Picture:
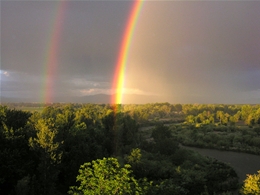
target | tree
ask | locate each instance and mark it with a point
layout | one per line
(16, 159)
(161, 132)
(134, 157)
(200, 118)
(44, 144)
(251, 184)
(245, 111)
(105, 177)
(178, 107)
(190, 119)
(222, 117)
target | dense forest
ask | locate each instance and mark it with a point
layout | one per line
(108, 149)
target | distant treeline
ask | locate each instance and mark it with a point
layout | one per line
(248, 114)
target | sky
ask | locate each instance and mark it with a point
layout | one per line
(180, 51)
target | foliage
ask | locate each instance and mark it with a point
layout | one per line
(41, 152)
(15, 156)
(161, 132)
(234, 138)
(105, 177)
(134, 157)
(251, 184)
(46, 147)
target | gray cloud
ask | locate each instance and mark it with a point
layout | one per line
(181, 51)
(205, 48)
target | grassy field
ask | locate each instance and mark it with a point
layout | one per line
(30, 109)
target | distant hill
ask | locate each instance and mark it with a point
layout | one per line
(95, 99)
(15, 100)
(100, 98)
(127, 99)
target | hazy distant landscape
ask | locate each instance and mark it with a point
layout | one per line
(95, 99)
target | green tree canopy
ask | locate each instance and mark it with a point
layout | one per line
(105, 177)
(251, 184)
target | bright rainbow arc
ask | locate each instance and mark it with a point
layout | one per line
(52, 51)
(119, 76)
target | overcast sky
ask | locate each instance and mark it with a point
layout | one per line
(181, 51)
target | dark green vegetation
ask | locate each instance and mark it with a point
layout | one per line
(41, 151)
(233, 128)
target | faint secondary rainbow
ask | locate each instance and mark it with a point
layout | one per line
(119, 75)
(52, 51)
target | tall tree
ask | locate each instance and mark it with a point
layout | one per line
(45, 145)
(15, 156)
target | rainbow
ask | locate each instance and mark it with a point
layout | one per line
(52, 51)
(119, 75)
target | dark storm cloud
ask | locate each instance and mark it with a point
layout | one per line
(20, 85)
(92, 36)
(90, 39)
(24, 28)
(181, 51)
(208, 49)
